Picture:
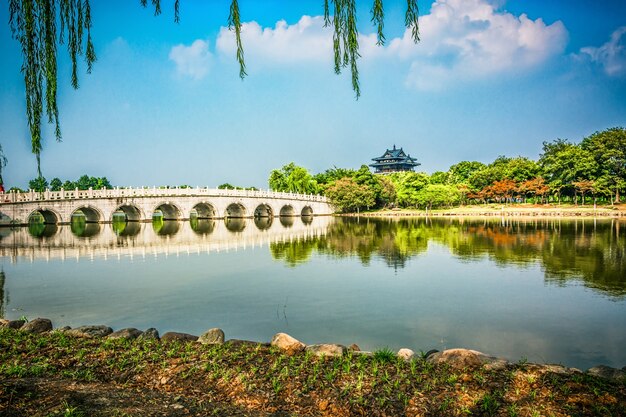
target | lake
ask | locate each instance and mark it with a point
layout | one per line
(544, 289)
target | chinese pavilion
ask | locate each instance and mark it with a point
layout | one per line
(394, 160)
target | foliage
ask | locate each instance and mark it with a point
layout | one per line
(347, 195)
(34, 25)
(608, 149)
(85, 182)
(227, 186)
(38, 184)
(294, 179)
(437, 195)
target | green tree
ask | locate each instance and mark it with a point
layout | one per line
(294, 179)
(608, 149)
(38, 184)
(563, 163)
(55, 184)
(461, 172)
(348, 196)
(408, 184)
(439, 177)
(438, 195)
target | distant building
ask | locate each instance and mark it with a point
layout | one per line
(393, 160)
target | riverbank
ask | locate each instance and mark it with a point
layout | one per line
(515, 210)
(90, 371)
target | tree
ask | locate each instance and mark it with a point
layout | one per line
(608, 149)
(408, 184)
(294, 179)
(34, 25)
(563, 162)
(437, 195)
(348, 196)
(461, 172)
(38, 184)
(55, 184)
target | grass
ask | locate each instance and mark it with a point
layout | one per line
(268, 381)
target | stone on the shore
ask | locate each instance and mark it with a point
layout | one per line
(354, 348)
(128, 333)
(38, 325)
(90, 331)
(12, 324)
(430, 352)
(406, 354)
(288, 344)
(212, 337)
(180, 337)
(465, 358)
(149, 334)
(607, 372)
(327, 349)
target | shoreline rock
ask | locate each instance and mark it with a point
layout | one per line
(457, 358)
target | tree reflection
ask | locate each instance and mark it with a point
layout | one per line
(586, 249)
(2, 279)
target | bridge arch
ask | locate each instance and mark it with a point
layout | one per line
(92, 214)
(204, 210)
(287, 211)
(131, 212)
(170, 211)
(306, 211)
(263, 210)
(50, 216)
(235, 210)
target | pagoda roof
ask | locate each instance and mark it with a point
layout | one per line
(395, 154)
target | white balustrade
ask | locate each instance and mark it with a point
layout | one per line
(117, 192)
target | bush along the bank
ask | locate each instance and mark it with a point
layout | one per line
(189, 373)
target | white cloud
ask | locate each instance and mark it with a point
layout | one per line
(305, 41)
(461, 39)
(193, 60)
(469, 39)
(611, 55)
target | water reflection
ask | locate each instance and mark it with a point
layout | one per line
(593, 250)
(165, 227)
(235, 224)
(287, 221)
(202, 226)
(121, 227)
(263, 223)
(81, 228)
(2, 280)
(42, 230)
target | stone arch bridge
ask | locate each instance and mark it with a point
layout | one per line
(140, 204)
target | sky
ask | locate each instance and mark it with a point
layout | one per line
(164, 104)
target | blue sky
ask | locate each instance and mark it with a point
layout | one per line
(164, 104)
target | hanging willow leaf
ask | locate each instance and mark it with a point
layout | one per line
(234, 21)
(34, 25)
(411, 19)
(378, 17)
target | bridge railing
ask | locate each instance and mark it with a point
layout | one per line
(117, 192)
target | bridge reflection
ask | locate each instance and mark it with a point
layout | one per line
(161, 237)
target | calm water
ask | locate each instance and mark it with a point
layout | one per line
(549, 290)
